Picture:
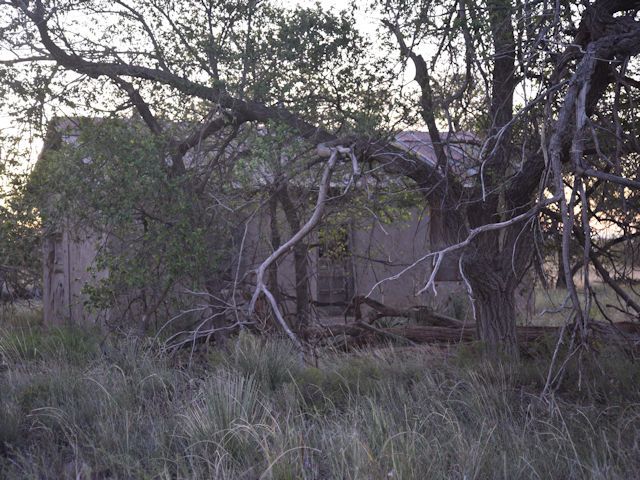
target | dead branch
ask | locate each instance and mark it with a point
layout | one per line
(472, 234)
(419, 313)
(388, 333)
(288, 245)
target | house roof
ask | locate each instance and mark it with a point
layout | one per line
(461, 148)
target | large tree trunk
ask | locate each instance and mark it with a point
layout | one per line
(496, 320)
(494, 303)
(494, 269)
(495, 265)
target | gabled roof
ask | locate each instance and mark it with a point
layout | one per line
(461, 148)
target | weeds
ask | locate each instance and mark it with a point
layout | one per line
(73, 408)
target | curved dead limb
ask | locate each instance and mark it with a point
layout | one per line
(288, 245)
(282, 322)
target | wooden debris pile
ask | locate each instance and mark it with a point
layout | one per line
(430, 327)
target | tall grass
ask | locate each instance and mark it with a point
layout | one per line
(72, 406)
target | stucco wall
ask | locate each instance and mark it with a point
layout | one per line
(377, 251)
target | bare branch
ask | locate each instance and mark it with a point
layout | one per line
(140, 105)
(37, 58)
(288, 245)
(608, 177)
(472, 234)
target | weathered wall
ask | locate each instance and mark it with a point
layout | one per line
(67, 258)
(377, 251)
(382, 251)
(55, 285)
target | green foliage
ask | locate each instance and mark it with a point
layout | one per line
(20, 259)
(113, 189)
(334, 240)
(310, 60)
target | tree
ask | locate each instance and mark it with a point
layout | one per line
(552, 105)
(272, 32)
(20, 266)
(515, 48)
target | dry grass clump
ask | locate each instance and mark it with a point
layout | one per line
(72, 407)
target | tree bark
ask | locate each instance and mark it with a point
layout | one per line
(494, 260)
(561, 281)
(496, 315)
(303, 300)
(272, 279)
(493, 282)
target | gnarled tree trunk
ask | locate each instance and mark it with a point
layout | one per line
(494, 303)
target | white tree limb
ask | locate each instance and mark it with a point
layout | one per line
(287, 246)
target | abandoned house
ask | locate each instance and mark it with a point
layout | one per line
(346, 256)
